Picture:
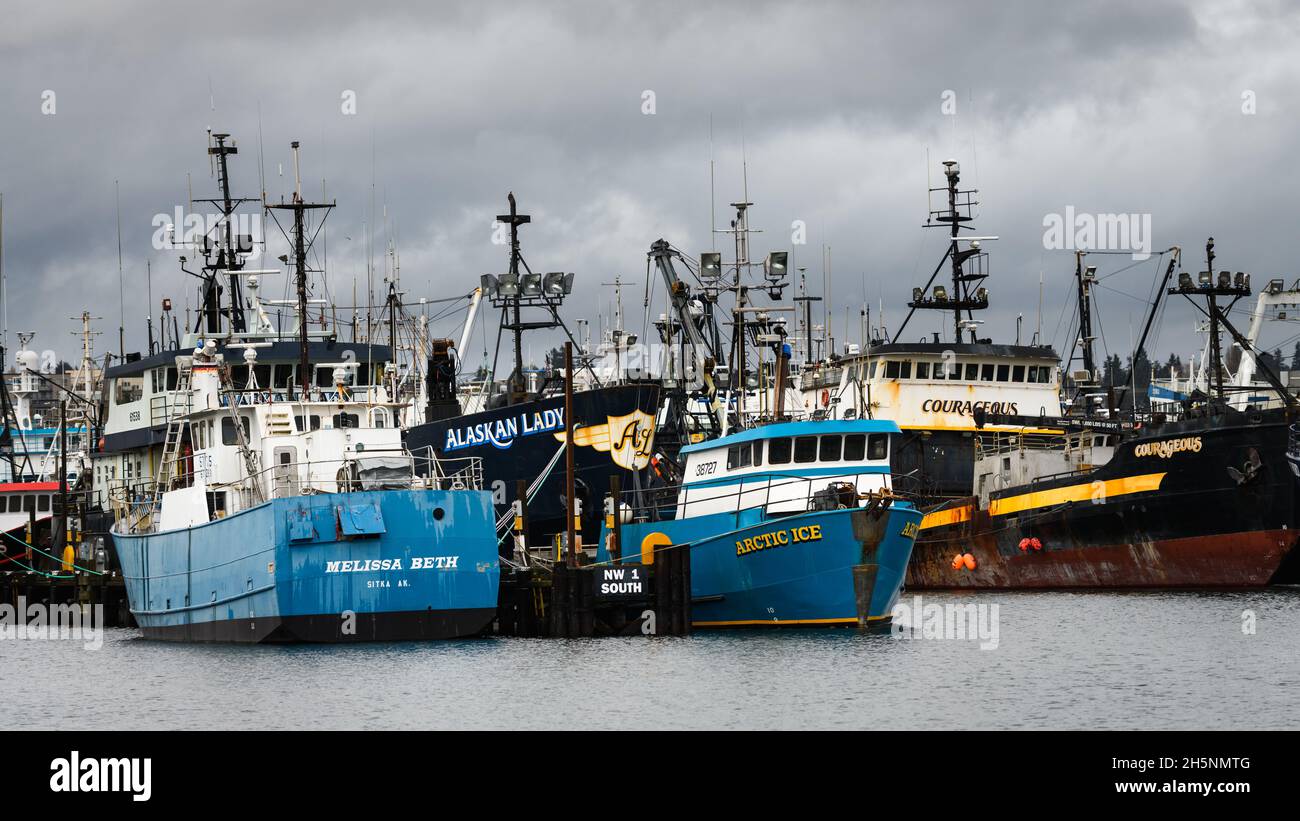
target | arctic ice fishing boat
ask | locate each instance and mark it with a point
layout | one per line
(789, 524)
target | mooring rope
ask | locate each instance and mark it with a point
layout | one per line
(52, 556)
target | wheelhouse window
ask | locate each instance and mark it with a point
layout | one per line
(29, 503)
(805, 449)
(301, 422)
(1018, 373)
(922, 370)
(1044, 374)
(891, 369)
(347, 420)
(905, 370)
(262, 373)
(986, 372)
(42, 503)
(972, 372)
(127, 389)
(1004, 373)
(738, 456)
(283, 376)
(830, 448)
(778, 451)
(937, 372)
(878, 446)
(872, 372)
(855, 447)
(758, 451)
(1033, 373)
(228, 434)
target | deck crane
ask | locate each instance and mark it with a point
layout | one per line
(704, 357)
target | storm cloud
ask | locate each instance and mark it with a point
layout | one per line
(1184, 112)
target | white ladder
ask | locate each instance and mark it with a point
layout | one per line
(178, 413)
(250, 459)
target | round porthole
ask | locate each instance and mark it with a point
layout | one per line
(438, 513)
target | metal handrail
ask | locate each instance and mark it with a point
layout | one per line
(648, 503)
(136, 499)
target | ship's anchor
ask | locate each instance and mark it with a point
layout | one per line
(1249, 470)
(877, 502)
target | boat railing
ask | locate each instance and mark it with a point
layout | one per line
(833, 493)
(1063, 474)
(449, 473)
(995, 442)
(169, 404)
(134, 504)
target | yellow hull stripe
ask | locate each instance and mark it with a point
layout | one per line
(787, 622)
(1076, 493)
(1048, 498)
(950, 516)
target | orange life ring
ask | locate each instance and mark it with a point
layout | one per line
(826, 398)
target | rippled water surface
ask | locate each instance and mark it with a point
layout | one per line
(1063, 660)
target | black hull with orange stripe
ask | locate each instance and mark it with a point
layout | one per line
(1221, 512)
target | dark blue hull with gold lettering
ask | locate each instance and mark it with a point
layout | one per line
(518, 442)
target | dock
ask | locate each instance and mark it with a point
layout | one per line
(28, 587)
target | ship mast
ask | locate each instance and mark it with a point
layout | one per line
(297, 237)
(969, 266)
(513, 291)
(226, 253)
(1224, 285)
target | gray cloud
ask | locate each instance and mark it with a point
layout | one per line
(1103, 106)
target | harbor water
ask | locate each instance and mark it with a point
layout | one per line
(1102, 660)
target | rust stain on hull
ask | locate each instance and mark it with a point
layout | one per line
(1223, 560)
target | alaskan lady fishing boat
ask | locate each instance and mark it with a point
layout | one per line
(789, 524)
(518, 431)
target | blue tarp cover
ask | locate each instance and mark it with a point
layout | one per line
(360, 520)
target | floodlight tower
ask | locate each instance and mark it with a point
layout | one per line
(512, 291)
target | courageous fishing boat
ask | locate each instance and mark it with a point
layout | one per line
(1206, 500)
(517, 428)
(287, 513)
(934, 386)
(788, 524)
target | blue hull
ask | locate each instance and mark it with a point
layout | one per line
(791, 570)
(386, 565)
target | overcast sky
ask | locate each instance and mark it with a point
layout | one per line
(1105, 107)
